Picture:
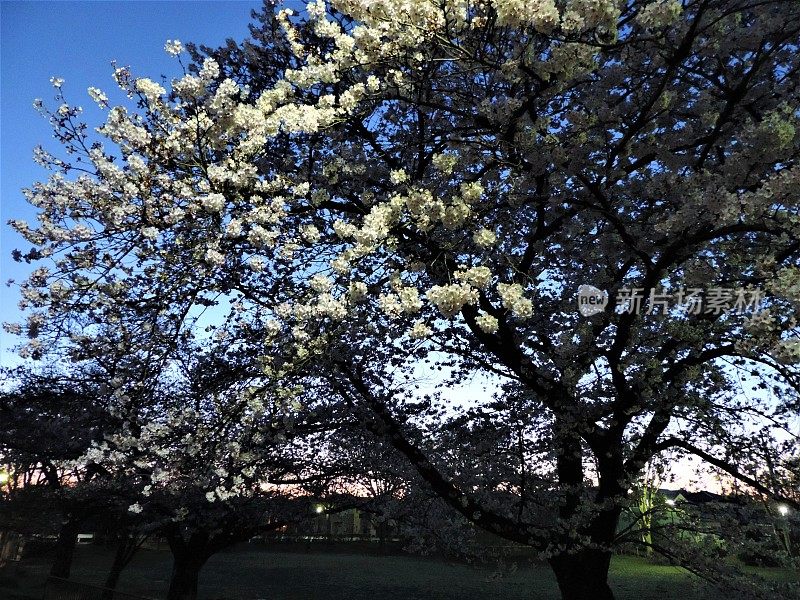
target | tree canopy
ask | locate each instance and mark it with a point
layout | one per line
(369, 190)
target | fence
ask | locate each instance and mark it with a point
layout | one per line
(57, 588)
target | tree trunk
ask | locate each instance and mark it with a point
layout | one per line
(65, 549)
(112, 580)
(583, 575)
(189, 556)
(5, 542)
(126, 549)
(185, 574)
(116, 570)
(381, 531)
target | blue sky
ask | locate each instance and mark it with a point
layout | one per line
(77, 41)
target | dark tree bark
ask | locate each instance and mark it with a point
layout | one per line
(583, 575)
(189, 556)
(126, 550)
(116, 568)
(65, 548)
(185, 575)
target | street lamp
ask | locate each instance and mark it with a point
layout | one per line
(783, 509)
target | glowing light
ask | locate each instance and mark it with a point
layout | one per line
(319, 508)
(4, 477)
(783, 509)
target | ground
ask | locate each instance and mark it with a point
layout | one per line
(252, 573)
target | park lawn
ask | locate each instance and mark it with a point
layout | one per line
(252, 573)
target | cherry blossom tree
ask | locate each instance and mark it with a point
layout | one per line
(48, 420)
(372, 188)
(216, 456)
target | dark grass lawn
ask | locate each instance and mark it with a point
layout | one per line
(250, 573)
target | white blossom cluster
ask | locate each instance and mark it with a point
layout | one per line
(245, 229)
(660, 13)
(513, 296)
(450, 299)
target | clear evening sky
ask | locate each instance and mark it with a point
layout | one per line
(77, 41)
